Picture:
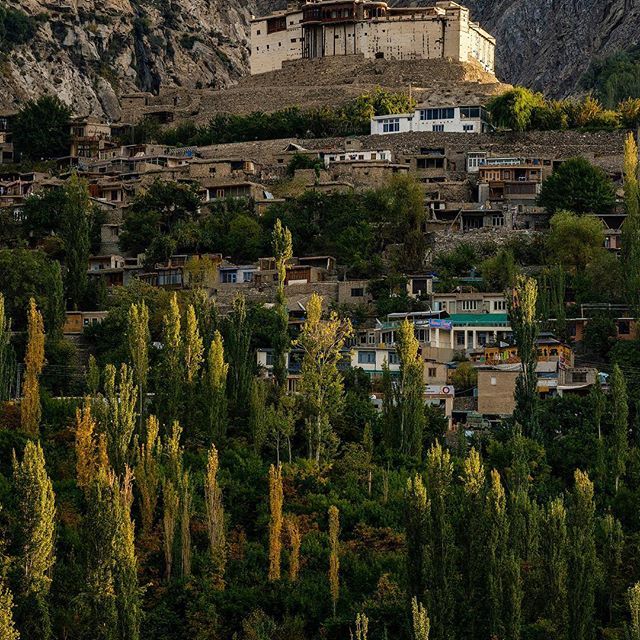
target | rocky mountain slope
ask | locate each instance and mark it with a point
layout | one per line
(90, 51)
(548, 44)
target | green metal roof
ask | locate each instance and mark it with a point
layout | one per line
(479, 319)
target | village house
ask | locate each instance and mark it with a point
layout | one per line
(446, 119)
(6, 141)
(373, 29)
(76, 322)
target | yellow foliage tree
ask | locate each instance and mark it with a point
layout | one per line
(91, 447)
(148, 473)
(30, 409)
(193, 346)
(293, 531)
(215, 516)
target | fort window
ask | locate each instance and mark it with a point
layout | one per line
(276, 24)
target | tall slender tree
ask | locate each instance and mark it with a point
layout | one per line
(497, 525)
(216, 388)
(334, 555)
(91, 448)
(582, 561)
(193, 346)
(241, 365)
(409, 402)
(275, 521)
(215, 517)
(128, 594)
(138, 337)
(633, 596)
(441, 585)
(611, 559)
(619, 439)
(147, 473)
(321, 384)
(630, 253)
(554, 566)
(121, 400)
(170, 504)
(283, 252)
(30, 409)
(417, 536)
(420, 624)
(76, 225)
(7, 354)
(170, 384)
(8, 629)
(522, 314)
(36, 532)
(295, 540)
(186, 500)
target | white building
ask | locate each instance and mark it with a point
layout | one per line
(323, 28)
(357, 156)
(472, 119)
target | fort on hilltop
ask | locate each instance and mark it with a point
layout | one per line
(325, 28)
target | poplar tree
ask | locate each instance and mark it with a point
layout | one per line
(496, 517)
(633, 596)
(334, 555)
(321, 384)
(121, 398)
(75, 234)
(90, 446)
(8, 629)
(93, 376)
(472, 542)
(410, 402)
(171, 381)
(128, 595)
(193, 347)
(417, 535)
(581, 558)
(216, 387)
(554, 556)
(170, 504)
(611, 557)
(98, 609)
(258, 414)
(275, 521)
(30, 409)
(420, 624)
(362, 627)
(215, 517)
(293, 531)
(147, 473)
(513, 596)
(239, 356)
(138, 339)
(186, 497)
(283, 252)
(619, 439)
(522, 315)
(441, 578)
(630, 252)
(7, 355)
(35, 537)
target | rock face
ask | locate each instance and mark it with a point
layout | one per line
(88, 52)
(548, 44)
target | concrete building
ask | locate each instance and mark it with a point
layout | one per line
(446, 119)
(371, 28)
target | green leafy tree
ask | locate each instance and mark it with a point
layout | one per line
(499, 271)
(216, 388)
(575, 241)
(619, 438)
(41, 129)
(417, 536)
(612, 546)
(239, 356)
(7, 355)
(522, 313)
(409, 400)
(36, 532)
(138, 337)
(8, 629)
(577, 186)
(497, 524)
(514, 109)
(170, 383)
(321, 384)
(581, 558)
(75, 234)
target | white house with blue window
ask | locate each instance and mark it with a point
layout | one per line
(471, 119)
(235, 274)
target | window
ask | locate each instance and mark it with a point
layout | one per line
(357, 292)
(391, 125)
(437, 114)
(467, 127)
(247, 276)
(228, 277)
(366, 357)
(470, 112)
(623, 327)
(258, 32)
(432, 372)
(439, 128)
(469, 305)
(460, 338)
(497, 220)
(579, 376)
(499, 305)
(494, 382)
(393, 357)
(269, 358)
